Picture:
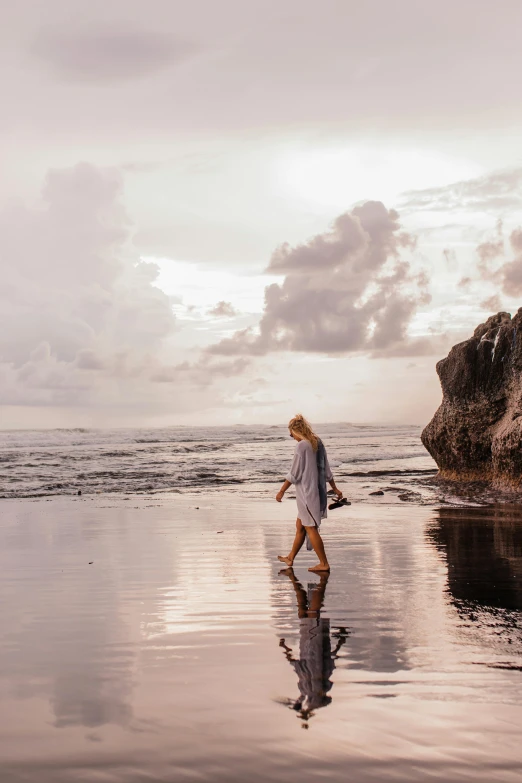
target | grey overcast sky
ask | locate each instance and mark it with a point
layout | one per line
(231, 211)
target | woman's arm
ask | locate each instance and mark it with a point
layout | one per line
(330, 478)
(295, 474)
(282, 491)
(288, 650)
(336, 489)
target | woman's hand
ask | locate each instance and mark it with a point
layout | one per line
(336, 489)
(286, 485)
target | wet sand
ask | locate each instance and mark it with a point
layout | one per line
(138, 643)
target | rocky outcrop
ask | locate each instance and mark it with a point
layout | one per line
(477, 431)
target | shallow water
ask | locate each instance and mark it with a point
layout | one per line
(138, 643)
(122, 461)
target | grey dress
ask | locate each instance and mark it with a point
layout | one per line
(316, 663)
(305, 476)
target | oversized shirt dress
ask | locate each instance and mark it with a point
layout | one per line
(305, 476)
(316, 663)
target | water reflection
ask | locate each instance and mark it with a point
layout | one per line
(159, 660)
(70, 628)
(483, 549)
(316, 658)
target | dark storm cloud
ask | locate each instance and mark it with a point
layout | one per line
(108, 52)
(345, 290)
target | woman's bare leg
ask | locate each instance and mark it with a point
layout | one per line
(304, 607)
(317, 595)
(317, 543)
(300, 592)
(299, 540)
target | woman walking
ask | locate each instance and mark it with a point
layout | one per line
(309, 472)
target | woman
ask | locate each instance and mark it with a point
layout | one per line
(309, 472)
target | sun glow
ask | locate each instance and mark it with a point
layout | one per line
(196, 288)
(333, 178)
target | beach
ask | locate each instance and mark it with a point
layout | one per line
(259, 259)
(146, 638)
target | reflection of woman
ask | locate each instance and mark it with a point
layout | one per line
(309, 472)
(316, 661)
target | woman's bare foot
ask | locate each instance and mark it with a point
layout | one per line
(289, 562)
(320, 567)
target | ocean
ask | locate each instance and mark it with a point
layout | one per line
(147, 635)
(245, 459)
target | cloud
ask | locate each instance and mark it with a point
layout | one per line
(512, 271)
(345, 290)
(493, 304)
(516, 240)
(81, 319)
(488, 251)
(71, 276)
(223, 310)
(499, 191)
(357, 73)
(494, 266)
(506, 274)
(86, 359)
(202, 372)
(108, 53)
(450, 257)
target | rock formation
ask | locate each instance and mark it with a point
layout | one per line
(477, 431)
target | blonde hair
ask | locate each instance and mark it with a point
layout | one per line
(302, 427)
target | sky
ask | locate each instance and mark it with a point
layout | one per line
(218, 213)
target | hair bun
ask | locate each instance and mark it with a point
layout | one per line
(298, 417)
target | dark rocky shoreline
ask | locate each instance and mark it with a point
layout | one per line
(476, 433)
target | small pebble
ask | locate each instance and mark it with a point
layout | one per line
(91, 562)
(219, 531)
(379, 492)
